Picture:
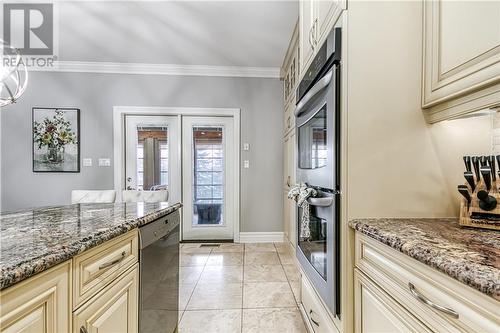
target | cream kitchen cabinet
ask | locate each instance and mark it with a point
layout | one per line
(41, 304)
(289, 206)
(461, 71)
(114, 309)
(396, 293)
(316, 19)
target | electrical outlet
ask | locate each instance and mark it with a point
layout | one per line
(246, 164)
(87, 162)
(104, 162)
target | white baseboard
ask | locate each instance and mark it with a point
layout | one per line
(262, 237)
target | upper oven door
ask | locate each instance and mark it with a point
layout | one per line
(315, 133)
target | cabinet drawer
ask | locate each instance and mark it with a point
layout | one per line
(314, 310)
(114, 309)
(375, 311)
(395, 272)
(94, 269)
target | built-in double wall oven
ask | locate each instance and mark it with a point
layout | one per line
(318, 166)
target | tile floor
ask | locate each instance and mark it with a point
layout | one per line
(240, 288)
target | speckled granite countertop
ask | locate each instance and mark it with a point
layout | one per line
(35, 240)
(471, 256)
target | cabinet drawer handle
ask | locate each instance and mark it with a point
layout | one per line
(83, 330)
(288, 181)
(310, 317)
(114, 262)
(433, 305)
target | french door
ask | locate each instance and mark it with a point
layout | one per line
(209, 196)
(195, 158)
(153, 154)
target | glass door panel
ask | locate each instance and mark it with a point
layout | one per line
(152, 153)
(208, 176)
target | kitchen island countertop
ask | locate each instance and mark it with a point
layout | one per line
(34, 240)
(472, 256)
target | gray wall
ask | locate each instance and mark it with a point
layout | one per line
(96, 94)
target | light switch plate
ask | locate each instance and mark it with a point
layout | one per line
(87, 162)
(246, 164)
(104, 162)
(246, 146)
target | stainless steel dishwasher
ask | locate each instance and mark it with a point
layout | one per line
(159, 275)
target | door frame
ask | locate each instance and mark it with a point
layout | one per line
(119, 113)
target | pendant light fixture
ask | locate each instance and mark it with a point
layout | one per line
(13, 75)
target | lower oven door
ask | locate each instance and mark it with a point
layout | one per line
(317, 253)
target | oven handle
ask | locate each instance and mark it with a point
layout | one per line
(319, 86)
(321, 202)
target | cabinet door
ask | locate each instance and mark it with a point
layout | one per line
(286, 214)
(326, 13)
(375, 311)
(114, 309)
(40, 304)
(306, 21)
(461, 49)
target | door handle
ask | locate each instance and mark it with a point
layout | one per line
(83, 329)
(310, 37)
(315, 26)
(315, 322)
(318, 87)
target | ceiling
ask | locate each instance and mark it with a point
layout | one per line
(212, 33)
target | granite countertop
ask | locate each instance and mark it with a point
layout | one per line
(35, 240)
(472, 256)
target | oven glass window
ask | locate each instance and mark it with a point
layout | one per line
(312, 141)
(314, 247)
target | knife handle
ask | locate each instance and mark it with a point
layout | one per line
(467, 163)
(463, 190)
(475, 164)
(469, 177)
(491, 162)
(486, 172)
(484, 161)
(486, 201)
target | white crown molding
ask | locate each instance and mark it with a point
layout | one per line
(261, 237)
(160, 69)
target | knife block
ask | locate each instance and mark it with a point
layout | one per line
(466, 212)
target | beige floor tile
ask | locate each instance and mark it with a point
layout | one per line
(185, 292)
(292, 272)
(273, 321)
(287, 259)
(218, 296)
(189, 274)
(195, 248)
(229, 247)
(264, 273)
(222, 274)
(211, 321)
(283, 247)
(225, 259)
(193, 259)
(260, 247)
(261, 258)
(295, 285)
(267, 295)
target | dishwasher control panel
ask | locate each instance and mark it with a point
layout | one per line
(158, 229)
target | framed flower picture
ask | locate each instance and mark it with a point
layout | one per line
(56, 140)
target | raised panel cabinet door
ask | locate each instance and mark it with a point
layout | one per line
(375, 311)
(306, 22)
(461, 49)
(326, 13)
(114, 309)
(286, 214)
(40, 304)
